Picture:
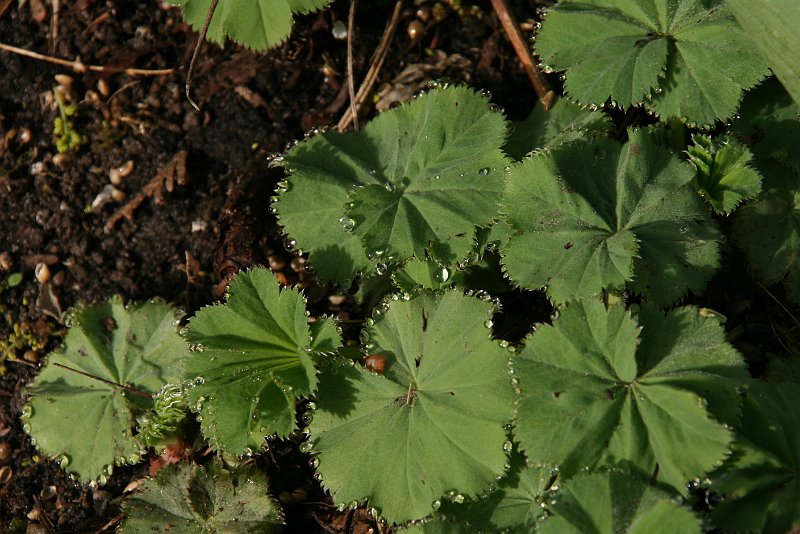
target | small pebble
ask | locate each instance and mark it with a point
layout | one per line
(60, 160)
(339, 30)
(42, 272)
(5, 450)
(35, 528)
(337, 300)
(415, 30)
(64, 79)
(103, 88)
(5, 261)
(24, 136)
(31, 356)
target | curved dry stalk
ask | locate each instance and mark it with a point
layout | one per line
(198, 45)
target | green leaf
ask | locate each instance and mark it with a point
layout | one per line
(193, 499)
(114, 358)
(254, 356)
(760, 483)
(617, 501)
(724, 176)
(596, 216)
(772, 27)
(516, 505)
(596, 388)
(769, 229)
(256, 24)
(689, 56)
(431, 424)
(562, 123)
(419, 178)
(770, 124)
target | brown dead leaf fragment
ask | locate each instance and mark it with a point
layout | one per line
(171, 174)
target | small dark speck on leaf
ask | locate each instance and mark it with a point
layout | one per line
(557, 394)
(453, 393)
(609, 394)
(568, 245)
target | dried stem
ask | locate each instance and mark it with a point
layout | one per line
(375, 66)
(538, 80)
(351, 28)
(197, 46)
(80, 67)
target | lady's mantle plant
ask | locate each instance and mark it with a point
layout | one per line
(603, 420)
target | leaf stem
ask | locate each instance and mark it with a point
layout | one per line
(198, 45)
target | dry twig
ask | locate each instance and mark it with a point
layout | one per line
(173, 173)
(538, 80)
(198, 45)
(350, 80)
(375, 66)
(80, 67)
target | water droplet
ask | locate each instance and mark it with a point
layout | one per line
(507, 446)
(683, 229)
(347, 223)
(458, 499)
(389, 186)
(436, 504)
(488, 323)
(306, 447)
(441, 274)
(484, 171)
(313, 463)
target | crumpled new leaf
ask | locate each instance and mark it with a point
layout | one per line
(114, 359)
(253, 357)
(613, 501)
(208, 500)
(725, 174)
(594, 216)
(256, 24)
(433, 423)
(415, 181)
(683, 58)
(596, 388)
(760, 483)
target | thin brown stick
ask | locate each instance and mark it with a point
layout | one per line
(351, 28)
(80, 67)
(54, 25)
(197, 46)
(538, 80)
(104, 381)
(4, 5)
(376, 64)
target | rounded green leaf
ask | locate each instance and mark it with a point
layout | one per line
(684, 58)
(207, 500)
(114, 359)
(617, 501)
(431, 424)
(594, 216)
(417, 179)
(252, 358)
(256, 24)
(597, 388)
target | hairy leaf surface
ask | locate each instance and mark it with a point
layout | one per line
(596, 388)
(761, 482)
(689, 56)
(417, 179)
(432, 423)
(254, 357)
(256, 24)
(114, 358)
(725, 175)
(617, 501)
(595, 216)
(205, 500)
(772, 27)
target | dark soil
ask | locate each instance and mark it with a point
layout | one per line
(198, 226)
